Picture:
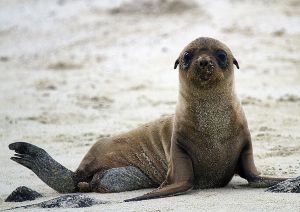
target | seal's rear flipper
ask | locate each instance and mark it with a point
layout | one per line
(44, 166)
(169, 190)
(287, 186)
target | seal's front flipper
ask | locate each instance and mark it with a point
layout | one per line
(44, 166)
(169, 190)
(246, 169)
(263, 181)
(180, 177)
(287, 186)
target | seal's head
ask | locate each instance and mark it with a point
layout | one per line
(206, 61)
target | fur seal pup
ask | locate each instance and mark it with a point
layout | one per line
(202, 145)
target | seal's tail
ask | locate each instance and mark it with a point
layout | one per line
(44, 166)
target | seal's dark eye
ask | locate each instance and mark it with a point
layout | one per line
(187, 57)
(222, 58)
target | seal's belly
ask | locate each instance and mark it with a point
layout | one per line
(146, 148)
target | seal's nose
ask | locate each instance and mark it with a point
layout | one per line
(204, 62)
(205, 67)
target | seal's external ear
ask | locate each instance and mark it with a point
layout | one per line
(235, 62)
(176, 63)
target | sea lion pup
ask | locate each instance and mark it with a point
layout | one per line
(202, 145)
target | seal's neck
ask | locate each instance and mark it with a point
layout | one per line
(194, 92)
(206, 102)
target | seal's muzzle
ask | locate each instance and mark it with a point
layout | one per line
(206, 67)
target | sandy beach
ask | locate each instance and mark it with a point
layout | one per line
(76, 71)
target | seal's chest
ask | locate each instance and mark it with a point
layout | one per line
(214, 167)
(214, 161)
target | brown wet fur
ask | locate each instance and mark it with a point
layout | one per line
(147, 148)
(202, 145)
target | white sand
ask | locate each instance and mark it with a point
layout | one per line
(73, 71)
